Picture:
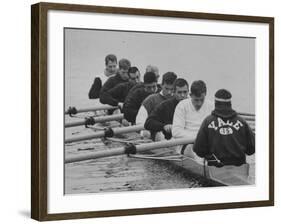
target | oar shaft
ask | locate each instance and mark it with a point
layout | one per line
(249, 118)
(96, 108)
(128, 129)
(246, 114)
(101, 134)
(84, 137)
(100, 107)
(119, 151)
(114, 117)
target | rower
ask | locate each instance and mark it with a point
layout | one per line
(155, 70)
(109, 71)
(120, 77)
(116, 96)
(189, 114)
(224, 137)
(135, 97)
(154, 100)
(161, 118)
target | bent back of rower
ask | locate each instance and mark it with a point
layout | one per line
(109, 71)
(155, 99)
(117, 94)
(120, 77)
(224, 137)
(189, 114)
(134, 99)
(161, 118)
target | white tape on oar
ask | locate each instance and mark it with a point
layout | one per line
(122, 150)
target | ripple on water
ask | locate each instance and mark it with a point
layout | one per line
(120, 173)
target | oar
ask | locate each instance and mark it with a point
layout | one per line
(73, 110)
(94, 120)
(108, 132)
(129, 150)
(247, 118)
(246, 114)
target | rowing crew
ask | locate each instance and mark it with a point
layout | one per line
(170, 111)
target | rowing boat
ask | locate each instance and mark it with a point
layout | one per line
(226, 175)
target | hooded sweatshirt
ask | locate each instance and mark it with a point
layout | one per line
(225, 137)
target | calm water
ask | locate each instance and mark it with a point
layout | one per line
(221, 62)
(118, 173)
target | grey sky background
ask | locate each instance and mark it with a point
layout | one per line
(222, 62)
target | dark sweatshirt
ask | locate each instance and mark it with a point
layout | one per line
(162, 115)
(109, 84)
(227, 136)
(94, 91)
(117, 94)
(133, 103)
(152, 101)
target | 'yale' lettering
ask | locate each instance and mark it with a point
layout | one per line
(212, 125)
(228, 123)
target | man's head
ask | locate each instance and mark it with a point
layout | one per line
(180, 89)
(134, 75)
(198, 93)
(111, 63)
(124, 65)
(154, 69)
(223, 99)
(168, 80)
(150, 82)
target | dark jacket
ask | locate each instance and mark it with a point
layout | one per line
(133, 103)
(117, 94)
(94, 91)
(225, 136)
(153, 101)
(162, 115)
(109, 84)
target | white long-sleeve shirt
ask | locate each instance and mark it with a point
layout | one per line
(148, 105)
(187, 120)
(142, 115)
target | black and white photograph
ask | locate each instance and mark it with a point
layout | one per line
(150, 111)
(142, 111)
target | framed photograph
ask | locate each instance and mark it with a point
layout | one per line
(100, 153)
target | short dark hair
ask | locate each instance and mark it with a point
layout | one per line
(198, 88)
(169, 78)
(133, 70)
(180, 83)
(149, 77)
(110, 57)
(124, 64)
(223, 94)
(222, 99)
